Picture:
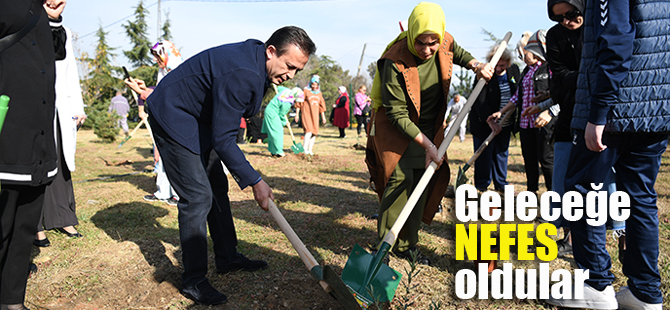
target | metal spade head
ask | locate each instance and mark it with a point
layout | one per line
(369, 279)
(461, 179)
(297, 148)
(124, 141)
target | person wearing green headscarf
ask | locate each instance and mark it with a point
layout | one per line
(409, 103)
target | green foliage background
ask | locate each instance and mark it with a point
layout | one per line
(102, 79)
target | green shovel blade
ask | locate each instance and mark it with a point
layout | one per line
(462, 179)
(4, 102)
(124, 141)
(368, 278)
(297, 148)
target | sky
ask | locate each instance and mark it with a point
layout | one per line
(340, 28)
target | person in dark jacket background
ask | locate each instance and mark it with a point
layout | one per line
(564, 48)
(491, 165)
(254, 124)
(196, 111)
(60, 210)
(535, 132)
(27, 146)
(621, 119)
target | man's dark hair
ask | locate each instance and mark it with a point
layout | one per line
(286, 36)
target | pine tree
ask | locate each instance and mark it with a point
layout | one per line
(136, 30)
(372, 70)
(140, 54)
(465, 86)
(491, 37)
(167, 35)
(99, 87)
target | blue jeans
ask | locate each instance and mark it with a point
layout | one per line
(561, 159)
(203, 199)
(636, 157)
(492, 162)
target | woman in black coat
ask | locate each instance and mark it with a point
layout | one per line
(27, 147)
(492, 163)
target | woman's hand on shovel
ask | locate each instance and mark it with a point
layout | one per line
(431, 156)
(485, 71)
(262, 194)
(431, 150)
(495, 127)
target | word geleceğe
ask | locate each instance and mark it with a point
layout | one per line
(598, 203)
(572, 206)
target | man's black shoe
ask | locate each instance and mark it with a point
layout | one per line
(241, 262)
(204, 293)
(32, 269)
(372, 217)
(420, 258)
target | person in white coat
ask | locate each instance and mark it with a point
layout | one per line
(454, 107)
(167, 57)
(59, 209)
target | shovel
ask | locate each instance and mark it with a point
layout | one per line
(366, 276)
(132, 133)
(4, 103)
(462, 179)
(327, 278)
(4, 106)
(138, 125)
(297, 148)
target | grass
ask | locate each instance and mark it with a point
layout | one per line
(130, 256)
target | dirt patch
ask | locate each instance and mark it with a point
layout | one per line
(121, 277)
(130, 256)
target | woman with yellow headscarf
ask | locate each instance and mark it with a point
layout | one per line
(409, 95)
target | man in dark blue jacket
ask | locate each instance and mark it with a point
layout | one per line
(621, 119)
(196, 111)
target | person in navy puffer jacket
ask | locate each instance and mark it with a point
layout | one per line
(621, 119)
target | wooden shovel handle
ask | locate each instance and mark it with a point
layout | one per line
(291, 132)
(151, 134)
(132, 133)
(137, 127)
(299, 247)
(473, 96)
(488, 140)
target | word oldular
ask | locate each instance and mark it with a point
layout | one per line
(477, 241)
